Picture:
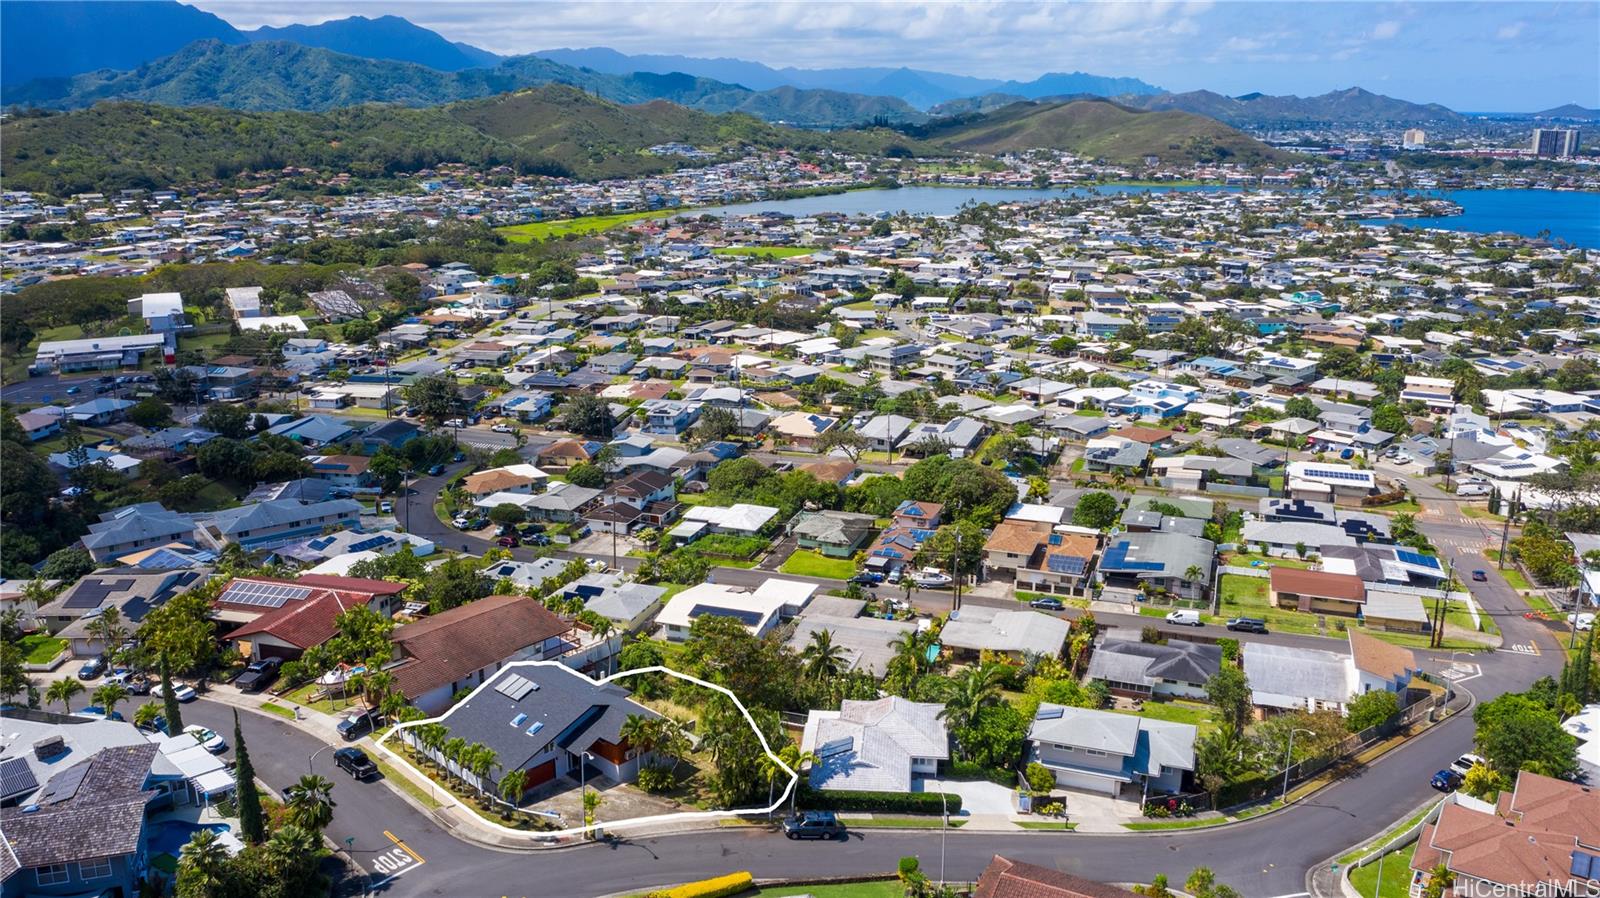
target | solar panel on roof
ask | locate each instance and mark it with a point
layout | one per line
(64, 785)
(836, 747)
(1064, 564)
(1427, 561)
(16, 777)
(265, 595)
(515, 687)
(748, 618)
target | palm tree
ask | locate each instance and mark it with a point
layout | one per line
(510, 787)
(641, 732)
(975, 689)
(797, 760)
(431, 737)
(63, 691)
(452, 752)
(909, 662)
(393, 706)
(108, 628)
(145, 717)
(311, 803)
(479, 761)
(375, 686)
(823, 660)
(201, 861)
(109, 696)
(1194, 574)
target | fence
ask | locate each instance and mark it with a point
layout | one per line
(1348, 747)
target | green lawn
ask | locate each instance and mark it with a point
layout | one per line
(1193, 713)
(404, 783)
(1186, 823)
(275, 708)
(1090, 413)
(588, 224)
(1512, 574)
(1047, 825)
(1247, 596)
(885, 889)
(1396, 875)
(900, 823)
(301, 695)
(776, 252)
(39, 649)
(810, 563)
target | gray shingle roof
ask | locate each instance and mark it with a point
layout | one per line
(97, 810)
(869, 745)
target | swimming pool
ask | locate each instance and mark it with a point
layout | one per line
(170, 836)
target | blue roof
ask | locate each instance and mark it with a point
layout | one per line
(1116, 558)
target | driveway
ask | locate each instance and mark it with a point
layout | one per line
(979, 798)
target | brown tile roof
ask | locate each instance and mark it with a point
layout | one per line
(1380, 658)
(564, 449)
(102, 817)
(1017, 537)
(829, 471)
(1322, 584)
(1005, 878)
(494, 481)
(444, 648)
(304, 624)
(1148, 435)
(1529, 841)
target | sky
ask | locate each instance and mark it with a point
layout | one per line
(1473, 57)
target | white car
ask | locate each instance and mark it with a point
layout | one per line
(212, 742)
(931, 578)
(456, 423)
(183, 692)
(503, 428)
(1465, 763)
(1581, 621)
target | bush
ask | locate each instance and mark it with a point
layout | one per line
(657, 778)
(908, 866)
(1040, 779)
(880, 802)
(972, 770)
(718, 887)
(1246, 787)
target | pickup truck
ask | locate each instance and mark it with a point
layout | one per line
(259, 675)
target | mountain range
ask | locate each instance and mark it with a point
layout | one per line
(280, 75)
(554, 129)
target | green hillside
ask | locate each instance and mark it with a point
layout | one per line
(553, 129)
(1098, 129)
(276, 76)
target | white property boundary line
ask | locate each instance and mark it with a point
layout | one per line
(794, 778)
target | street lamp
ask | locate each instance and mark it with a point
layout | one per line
(583, 786)
(405, 499)
(944, 826)
(1287, 759)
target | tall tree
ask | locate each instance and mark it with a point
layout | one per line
(311, 803)
(435, 397)
(1229, 691)
(169, 700)
(63, 691)
(252, 822)
(822, 658)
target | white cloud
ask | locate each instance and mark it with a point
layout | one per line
(1511, 31)
(1385, 30)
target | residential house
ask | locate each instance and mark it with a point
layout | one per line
(885, 433)
(1109, 753)
(134, 527)
(1320, 481)
(562, 503)
(162, 313)
(1040, 557)
(643, 499)
(838, 534)
(759, 609)
(799, 430)
(882, 745)
(547, 721)
(1317, 592)
(348, 472)
(131, 591)
(461, 648)
(563, 455)
(864, 643)
(1541, 837)
(524, 479)
(265, 525)
(918, 515)
(1005, 878)
(958, 436)
(1015, 634)
(1178, 563)
(1137, 669)
(630, 606)
(739, 519)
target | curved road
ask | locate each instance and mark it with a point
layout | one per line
(1265, 857)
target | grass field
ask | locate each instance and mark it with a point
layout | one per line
(275, 708)
(1192, 713)
(1189, 823)
(1047, 825)
(776, 252)
(588, 224)
(900, 823)
(39, 649)
(810, 563)
(886, 889)
(1396, 875)
(1248, 596)
(405, 784)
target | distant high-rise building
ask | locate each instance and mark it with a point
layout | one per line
(1413, 139)
(1555, 142)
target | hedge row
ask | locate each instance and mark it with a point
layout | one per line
(1247, 787)
(880, 802)
(718, 887)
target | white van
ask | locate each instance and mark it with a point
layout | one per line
(1185, 617)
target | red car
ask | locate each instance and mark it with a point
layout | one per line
(509, 542)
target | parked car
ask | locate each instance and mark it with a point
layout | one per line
(183, 692)
(508, 542)
(1248, 625)
(92, 668)
(97, 711)
(127, 679)
(1581, 620)
(1047, 604)
(931, 578)
(1480, 576)
(1185, 617)
(1465, 763)
(436, 470)
(355, 762)
(814, 825)
(503, 428)
(1446, 780)
(867, 578)
(354, 725)
(597, 565)
(386, 507)
(259, 675)
(212, 742)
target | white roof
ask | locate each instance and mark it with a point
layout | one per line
(740, 516)
(155, 305)
(756, 607)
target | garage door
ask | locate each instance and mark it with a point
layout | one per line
(544, 773)
(1086, 782)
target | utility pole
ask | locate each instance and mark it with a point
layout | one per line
(955, 575)
(1505, 527)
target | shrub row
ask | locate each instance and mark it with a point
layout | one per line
(880, 802)
(1247, 787)
(717, 887)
